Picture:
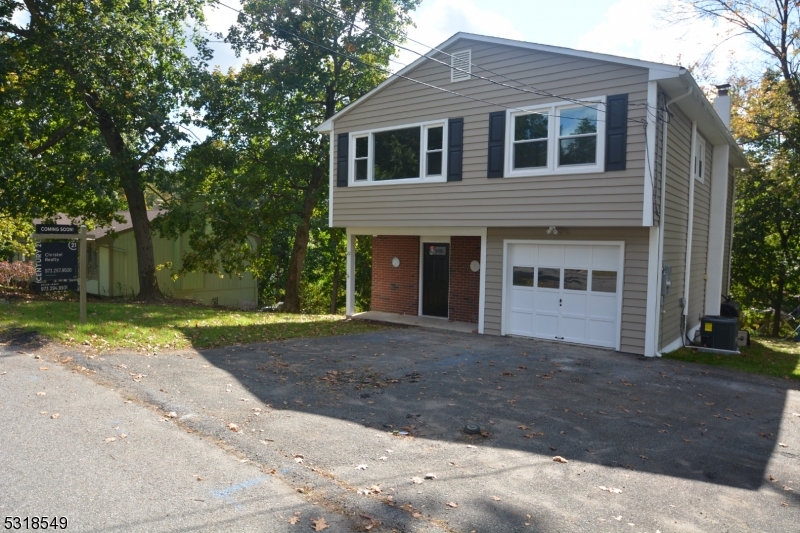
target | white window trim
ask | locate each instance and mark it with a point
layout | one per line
(552, 139)
(700, 155)
(422, 156)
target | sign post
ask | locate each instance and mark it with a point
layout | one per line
(82, 253)
(55, 261)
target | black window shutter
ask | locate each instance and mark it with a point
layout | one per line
(497, 141)
(343, 156)
(616, 131)
(455, 148)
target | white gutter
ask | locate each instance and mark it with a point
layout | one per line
(690, 226)
(330, 181)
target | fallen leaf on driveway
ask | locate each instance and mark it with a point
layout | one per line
(44, 368)
(320, 524)
(559, 459)
(523, 427)
(293, 520)
(55, 415)
(40, 393)
(362, 467)
(771, 478)
(66, 360)
(618, 518)
(793, 414)
(610, 489)
(416, 480)
(496, 498)
(452, 505)
(111, 439)
(383, 458)
(233, 427)
(172, 414)
(123, 435)
(430, 476)
(416, 514)
(787, 488)
(782, 444)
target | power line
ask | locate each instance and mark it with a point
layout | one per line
(356, 59)
(536, 91)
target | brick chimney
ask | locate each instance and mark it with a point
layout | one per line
(722, 104)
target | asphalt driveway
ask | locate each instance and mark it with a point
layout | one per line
(355, 423)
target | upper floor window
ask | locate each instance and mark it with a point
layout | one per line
(564, 138)
(398, 154)
(699, 158)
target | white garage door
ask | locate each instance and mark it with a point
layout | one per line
(569, 292)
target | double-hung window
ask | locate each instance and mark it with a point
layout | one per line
(399, 154)
(556, 138)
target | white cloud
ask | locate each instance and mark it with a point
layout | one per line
(439, 20)
(632, 28)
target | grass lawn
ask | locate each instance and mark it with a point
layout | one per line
(763, 356)
(145, 327)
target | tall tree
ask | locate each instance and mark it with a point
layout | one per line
(93, 98)
(331, 53)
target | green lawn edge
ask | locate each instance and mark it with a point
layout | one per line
(153, 327)
(770, 357)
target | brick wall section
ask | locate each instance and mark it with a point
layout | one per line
(465, 284)
(395, 290)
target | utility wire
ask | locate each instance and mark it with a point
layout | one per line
(356, 59)
(536, 91)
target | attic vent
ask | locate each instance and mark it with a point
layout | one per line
(460, 65)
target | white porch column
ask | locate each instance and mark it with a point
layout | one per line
(482, 293)
(652, 311)
(716, 228)
(351, 273)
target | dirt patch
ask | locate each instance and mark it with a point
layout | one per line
(21, 337)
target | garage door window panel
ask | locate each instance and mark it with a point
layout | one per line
(604, 281)
(523, 276)
(576, 280)
(549, 278)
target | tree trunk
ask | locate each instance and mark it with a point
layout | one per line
(776, 320)
(291, 302)
(145, 255)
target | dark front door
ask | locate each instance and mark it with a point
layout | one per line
(435, 279)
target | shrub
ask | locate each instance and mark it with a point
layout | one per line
(17, 274)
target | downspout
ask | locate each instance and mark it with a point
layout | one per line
(689, 235)
(663, 215)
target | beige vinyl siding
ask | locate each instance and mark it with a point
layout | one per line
(729, 206)
(634, 297)
(702, 215)
(609, 198)
(676, 215)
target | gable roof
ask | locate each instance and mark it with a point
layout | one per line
(675, 80)
(657, 70)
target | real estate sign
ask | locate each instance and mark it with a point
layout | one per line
(56, 261)
(56, 229)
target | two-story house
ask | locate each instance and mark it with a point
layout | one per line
(540, 191)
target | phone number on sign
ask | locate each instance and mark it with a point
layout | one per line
(35, 522)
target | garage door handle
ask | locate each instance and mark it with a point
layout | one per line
(559, 302)
(560, 338)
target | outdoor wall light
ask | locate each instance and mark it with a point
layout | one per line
(552, 230)
(475, 266)
(395, 262)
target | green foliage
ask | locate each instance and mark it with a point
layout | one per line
(93, 93)
(766, 247)
(14, 233)
(263, 171)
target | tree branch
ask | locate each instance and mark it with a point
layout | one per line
(57, 136)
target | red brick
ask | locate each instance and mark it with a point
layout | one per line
(464, 300)
(395, 290)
